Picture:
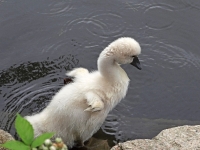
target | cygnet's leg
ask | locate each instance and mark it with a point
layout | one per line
(94, 102)
(79, 144)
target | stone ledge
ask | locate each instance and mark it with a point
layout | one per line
(177, 138)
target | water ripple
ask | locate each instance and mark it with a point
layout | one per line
(158, 17)
(97, 24)
(173, 56)
(61, 45)
(192, 3)
(57, 9)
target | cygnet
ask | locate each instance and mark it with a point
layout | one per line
(79, 109)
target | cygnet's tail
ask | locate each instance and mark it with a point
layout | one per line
(77, 72)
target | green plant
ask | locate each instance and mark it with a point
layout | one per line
(26, 133)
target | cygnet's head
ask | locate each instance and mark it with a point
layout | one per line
(124, 51)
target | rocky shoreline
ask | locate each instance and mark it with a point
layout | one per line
(177, 138)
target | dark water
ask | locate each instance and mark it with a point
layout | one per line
(42, 39)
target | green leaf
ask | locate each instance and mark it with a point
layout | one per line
(15, 145)
(24, 130)
(40, 139)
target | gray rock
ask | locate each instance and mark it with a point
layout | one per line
(4, 136)
(178, 138)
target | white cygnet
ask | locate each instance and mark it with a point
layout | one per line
(79, 109)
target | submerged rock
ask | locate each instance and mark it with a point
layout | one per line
(4, 136)
(178, 138)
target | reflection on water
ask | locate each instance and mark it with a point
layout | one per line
(37, 38)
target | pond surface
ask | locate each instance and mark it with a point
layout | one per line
(42, 39)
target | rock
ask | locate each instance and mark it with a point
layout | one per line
(178, 138)
(4, 136)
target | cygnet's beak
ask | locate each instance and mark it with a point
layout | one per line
(136, 63)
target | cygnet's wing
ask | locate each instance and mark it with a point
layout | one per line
(74, 74)
(94, 102)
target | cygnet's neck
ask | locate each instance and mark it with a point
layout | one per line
(109, 68)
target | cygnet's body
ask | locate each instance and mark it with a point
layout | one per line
(79, 109)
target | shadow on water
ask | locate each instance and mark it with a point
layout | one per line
(99, 141)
